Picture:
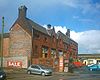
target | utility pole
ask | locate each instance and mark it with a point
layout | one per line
(2, 42)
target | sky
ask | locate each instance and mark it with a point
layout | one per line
(82, 17)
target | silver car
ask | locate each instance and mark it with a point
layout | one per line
(39, 69)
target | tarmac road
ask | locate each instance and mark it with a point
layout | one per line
(79, 74)
(55, 76)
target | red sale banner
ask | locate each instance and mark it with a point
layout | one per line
(14, 63)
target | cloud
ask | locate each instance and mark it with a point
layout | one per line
(86, 20)
(88, 41)
(83, 19)
(75, 17)
(60, 28)
(76, 3)
(84, 5)
(71, 3)
(57, 28)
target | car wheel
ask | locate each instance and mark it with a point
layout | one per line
(43, 74)
(28, 72)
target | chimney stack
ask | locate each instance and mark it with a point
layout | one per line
(68, 32)
(22, 11)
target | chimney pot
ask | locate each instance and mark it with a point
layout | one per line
(49, 26)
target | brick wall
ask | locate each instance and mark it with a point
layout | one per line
(6, 47)
(20, 42)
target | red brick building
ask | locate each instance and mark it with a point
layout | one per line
(30, 43)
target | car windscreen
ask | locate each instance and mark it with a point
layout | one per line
(43, 67)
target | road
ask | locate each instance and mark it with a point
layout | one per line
(60, 76)
(79, 74)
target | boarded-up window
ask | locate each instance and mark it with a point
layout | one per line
(44, 52)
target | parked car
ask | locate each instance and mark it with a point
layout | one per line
(2, 75)
(39, 69)
(95, 67)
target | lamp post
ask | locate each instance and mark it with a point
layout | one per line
(2, 42)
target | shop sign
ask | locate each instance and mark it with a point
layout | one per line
(14, 63)
(66, 61)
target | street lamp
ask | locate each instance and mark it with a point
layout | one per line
(2, 42)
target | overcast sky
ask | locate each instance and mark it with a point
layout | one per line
(82, 17)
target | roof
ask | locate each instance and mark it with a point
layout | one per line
(37, 26)
(63, 36)
(89, 55)
(23, 22)
(73, 42)
(28, 25)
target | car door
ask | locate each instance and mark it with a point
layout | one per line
(33, 70)
(93, 67)
(37, 69)
(98, 66)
